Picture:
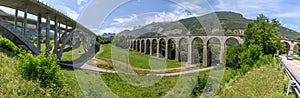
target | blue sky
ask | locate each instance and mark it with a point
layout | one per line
(113, 16)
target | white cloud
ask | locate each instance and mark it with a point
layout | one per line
(7, 10)
(292, 26)
(134, 21)
(79, 2)
(117, 21)
(288, 14)
(251, 8)
(112, 30)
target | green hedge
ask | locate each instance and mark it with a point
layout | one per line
(40, 68)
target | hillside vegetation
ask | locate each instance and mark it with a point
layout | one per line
(231, 22)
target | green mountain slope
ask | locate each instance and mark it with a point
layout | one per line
(231, 22)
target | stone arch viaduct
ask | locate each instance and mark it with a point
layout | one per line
(146, 45)
(291, 45)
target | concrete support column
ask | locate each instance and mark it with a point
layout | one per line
(39, 31)
(177, 51)
(55, 35)
(16, 18)
(205, 54)
(25, 22)
(167, 50)
(48, 35)
(59, 32)
(190, 54)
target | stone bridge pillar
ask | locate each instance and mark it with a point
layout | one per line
(151, 48)
(190, 53)
(140, 46)
(205, 54)
(291, 50)
(177, 50)
(167, 49)
(145, 46)
(135, 45)
(158, 48)
(222, 49)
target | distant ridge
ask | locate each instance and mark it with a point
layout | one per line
(108, 34)
(231, 22)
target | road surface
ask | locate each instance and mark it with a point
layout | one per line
(86, 66)
(293, 66)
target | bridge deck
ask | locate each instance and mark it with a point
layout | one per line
(35, 7)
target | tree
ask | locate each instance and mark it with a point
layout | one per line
(262, 32)
(298, 38)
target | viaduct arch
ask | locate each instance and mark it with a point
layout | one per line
(291, 45)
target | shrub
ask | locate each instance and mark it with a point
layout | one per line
(40, 68)
(8, 45)
(266, 59)
(241, 55)
(250, 56)
(233, 54)
(199, 87)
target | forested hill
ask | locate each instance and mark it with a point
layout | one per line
(231, 22)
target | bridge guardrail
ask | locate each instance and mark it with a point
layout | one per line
(292, 80)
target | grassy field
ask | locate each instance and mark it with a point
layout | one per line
(266, 81)
(108, 85)
(136, 59)
(80, 83)
(296, 58)
(13, 85)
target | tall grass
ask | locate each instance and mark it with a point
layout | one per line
(268, 80)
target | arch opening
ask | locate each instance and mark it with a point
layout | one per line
(147, 46)
(138, 45)
(162, 48)
(197, 55)
(285, 48)
(213, 51)
(143, 46)
(183, 50)
(296, 49)
(230, 42)
(154, 47)
(171, 49)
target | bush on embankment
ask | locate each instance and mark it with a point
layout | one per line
(40, 68)
(8, 45)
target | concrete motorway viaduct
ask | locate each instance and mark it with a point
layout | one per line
(57, 26)
(145, 45)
